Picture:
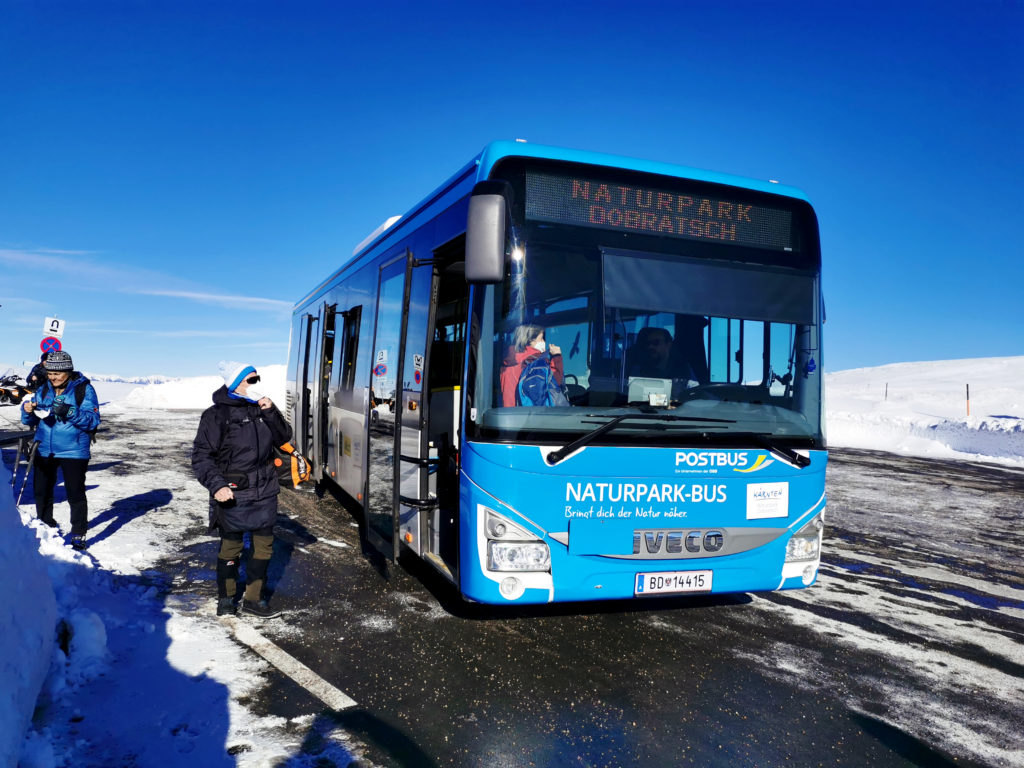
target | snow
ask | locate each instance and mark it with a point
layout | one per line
(84, 634)
(27, 619)
(921, 409)
(195, 393)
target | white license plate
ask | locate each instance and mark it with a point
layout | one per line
(672, 582)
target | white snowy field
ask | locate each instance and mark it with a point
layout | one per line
(921, 409)
(136, 679)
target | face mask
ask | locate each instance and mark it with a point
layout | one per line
(540, 346)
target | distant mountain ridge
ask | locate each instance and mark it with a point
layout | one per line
(116, 379)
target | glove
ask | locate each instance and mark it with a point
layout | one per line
(62, 411)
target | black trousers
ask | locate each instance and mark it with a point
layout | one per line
(44, 480)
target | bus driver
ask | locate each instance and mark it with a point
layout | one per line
(652, 354)
(655, 356)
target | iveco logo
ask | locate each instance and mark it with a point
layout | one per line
(676, 542)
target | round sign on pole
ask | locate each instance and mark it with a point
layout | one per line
(50, 344)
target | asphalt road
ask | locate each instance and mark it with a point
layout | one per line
(909, 651)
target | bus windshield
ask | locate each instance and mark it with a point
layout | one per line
(592, 324)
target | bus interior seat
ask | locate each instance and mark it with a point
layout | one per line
(605, 383)
(576, 393)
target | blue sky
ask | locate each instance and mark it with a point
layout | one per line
(175, 175)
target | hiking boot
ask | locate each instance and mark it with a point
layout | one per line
(78, 541)
(48, 521)
(226, 607)
(260, 609)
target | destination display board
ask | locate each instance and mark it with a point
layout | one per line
(593, 202)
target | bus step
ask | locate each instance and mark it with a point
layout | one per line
(437, 562)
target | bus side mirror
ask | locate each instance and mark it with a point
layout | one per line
(485, 231)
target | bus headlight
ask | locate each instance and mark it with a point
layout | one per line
(511, 547)
(518, 556)
(806, 543)
(500, 527)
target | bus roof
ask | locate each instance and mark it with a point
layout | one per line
(499, 150)
(483, 163)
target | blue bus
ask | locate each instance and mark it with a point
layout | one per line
(569, 376)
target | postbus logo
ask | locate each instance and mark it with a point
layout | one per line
(761, 462)
(737, 461)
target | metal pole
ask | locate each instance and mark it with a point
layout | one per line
(17, 461)
(968, 399)
(28, 468)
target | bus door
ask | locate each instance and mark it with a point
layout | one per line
(303, 417)
(323, 397)
(398, 467)
(417, 462)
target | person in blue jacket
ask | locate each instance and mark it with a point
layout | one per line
(65, 412)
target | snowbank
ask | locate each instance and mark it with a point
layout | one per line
(921, 409)
(196, 393)
(166, 392)
(28, 620)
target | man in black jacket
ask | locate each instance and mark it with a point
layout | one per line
(37, 376)
(232, 457)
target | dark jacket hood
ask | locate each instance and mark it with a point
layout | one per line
(223, 397)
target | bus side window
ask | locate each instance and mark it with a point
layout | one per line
(781, 358)
(350, 341)
(754, 365)
(736, 351)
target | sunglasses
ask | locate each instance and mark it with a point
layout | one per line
(252, 380)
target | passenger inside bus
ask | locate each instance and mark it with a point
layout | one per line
(528, 346)
(656, 355)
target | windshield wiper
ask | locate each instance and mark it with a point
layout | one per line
(556, 456)
(764, 440)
